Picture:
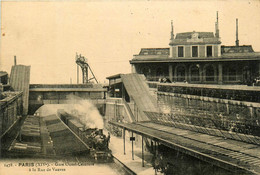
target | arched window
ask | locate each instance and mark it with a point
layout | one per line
(194, 73)
(229, 73)
(180, 73)
(210, 72)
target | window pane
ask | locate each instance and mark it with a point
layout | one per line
(180, 51)
(194, 51)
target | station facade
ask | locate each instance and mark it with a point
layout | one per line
(199, 57)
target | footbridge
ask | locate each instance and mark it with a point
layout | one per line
(36, 95)
(40, 94)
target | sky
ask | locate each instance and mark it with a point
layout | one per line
(47, 34)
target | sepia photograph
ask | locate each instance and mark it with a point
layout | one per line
(134, 87)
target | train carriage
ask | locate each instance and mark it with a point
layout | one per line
(93, 137)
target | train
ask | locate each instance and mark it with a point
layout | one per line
(94, 138)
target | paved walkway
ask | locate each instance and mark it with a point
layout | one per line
(117, 147)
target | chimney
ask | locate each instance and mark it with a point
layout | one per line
(216, 28)
(15, 60)
(237, 41)
(172, 34)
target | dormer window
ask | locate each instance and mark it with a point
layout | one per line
(180, 51)
(194, 51)
(209, 51)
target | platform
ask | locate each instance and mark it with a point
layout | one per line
(228, 154)
(135, 166)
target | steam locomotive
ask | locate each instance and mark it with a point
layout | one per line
(92, 137)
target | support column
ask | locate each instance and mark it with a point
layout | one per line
(227, 106)
(123, 91)
(252, 111)
(132, 146)
(201, 73)
(186, 73)
(124, 139)
(156, 149)
(220, 73)
(170, 72)
(175, 75)
(142, 151)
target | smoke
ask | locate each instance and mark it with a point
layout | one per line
(50, 109)
(84, 110)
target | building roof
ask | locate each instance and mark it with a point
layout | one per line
(237, 49)
(154, 51)
(188, 35)
(228, 53)
(3, 73)
(245, 55)
(251, 56)
(114, 76)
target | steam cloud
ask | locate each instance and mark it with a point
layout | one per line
(84, 110)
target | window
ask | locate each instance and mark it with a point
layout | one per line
(180, 74)
(209, 51)
(194, 51)
(229, 74)
(180, 51)
(210, 73)
(195, 74)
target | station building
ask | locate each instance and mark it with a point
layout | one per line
(199, 57)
